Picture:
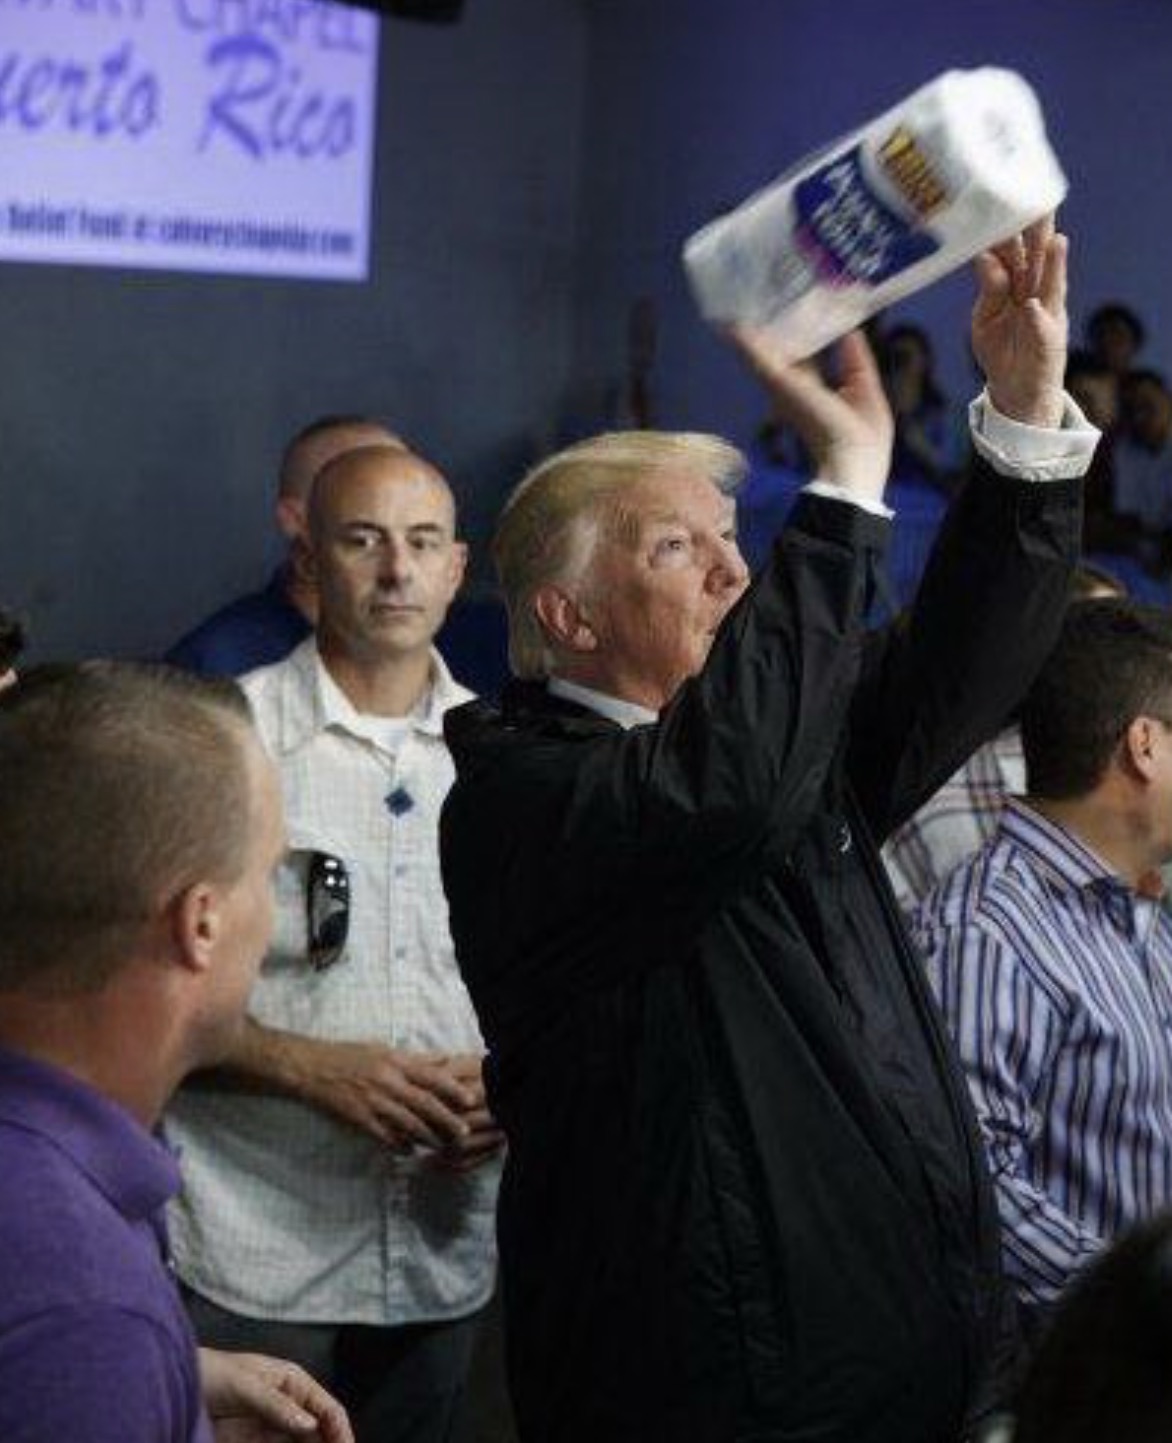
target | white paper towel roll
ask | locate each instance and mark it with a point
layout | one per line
(960, 165)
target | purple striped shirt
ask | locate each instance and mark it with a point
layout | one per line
(1056, 980)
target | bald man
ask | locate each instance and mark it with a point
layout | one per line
(264, 626)
(340, 1197)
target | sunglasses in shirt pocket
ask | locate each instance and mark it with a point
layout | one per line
(312, 889)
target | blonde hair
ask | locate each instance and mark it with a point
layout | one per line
(122, 784)
(550, 524)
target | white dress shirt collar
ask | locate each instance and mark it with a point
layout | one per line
(627, 713)
(313, 700)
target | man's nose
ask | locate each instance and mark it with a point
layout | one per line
(729, 572)
(394, 563)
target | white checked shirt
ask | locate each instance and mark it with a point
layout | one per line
(956, 822)
(285, 1212)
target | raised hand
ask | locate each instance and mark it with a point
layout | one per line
(848, 427)
(1020, 326)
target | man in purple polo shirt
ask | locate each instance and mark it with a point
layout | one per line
(139, 829)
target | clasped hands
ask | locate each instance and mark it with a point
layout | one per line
(406, 1100)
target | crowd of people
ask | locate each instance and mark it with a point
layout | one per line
(1128, 490)
(782, 999)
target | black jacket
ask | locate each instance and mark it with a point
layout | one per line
(744, 1197)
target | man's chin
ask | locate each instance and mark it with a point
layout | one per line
(383, 617)
(702, 651)
(397, 629)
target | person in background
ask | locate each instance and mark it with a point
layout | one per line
(140, 828)
(1095, 387)
(342, 1214)
(1115, 336)
(1101, 1372)
(1143, 465)
(931, 433)
(1051, 956)
(961, 817)
(264, 626)
(778, 469)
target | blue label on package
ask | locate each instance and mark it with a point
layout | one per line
(850, 235)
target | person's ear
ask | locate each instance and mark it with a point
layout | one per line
(290, 516)
(1140, 746)
(304, 561)
(196, 924)
(457, 567)
(564, 619)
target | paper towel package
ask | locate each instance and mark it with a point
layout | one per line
(960, 165)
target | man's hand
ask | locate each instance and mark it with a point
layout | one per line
(484, 1139)
(254, 1399)
(480, 1146)
(398, 1097)
(847, 428)
(1020, 327)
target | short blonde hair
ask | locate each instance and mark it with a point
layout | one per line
(550, 523)
(123, 784)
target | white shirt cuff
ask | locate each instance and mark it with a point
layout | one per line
(835, 492)
(1033, 453)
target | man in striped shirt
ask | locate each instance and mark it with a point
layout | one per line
(1052, 957)
(964, 813)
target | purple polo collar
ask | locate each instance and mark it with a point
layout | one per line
(132, 1169)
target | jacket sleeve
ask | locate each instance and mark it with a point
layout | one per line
(738, 758)
(947, 676)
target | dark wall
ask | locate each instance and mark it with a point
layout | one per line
(694, 106)
(141, 414)
(539, 165)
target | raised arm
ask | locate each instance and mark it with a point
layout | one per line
(1020, 326)
(946, 678)
(847, 428)
(740, 753)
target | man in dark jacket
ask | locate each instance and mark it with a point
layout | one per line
(744, 1198)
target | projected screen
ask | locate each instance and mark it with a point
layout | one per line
(204, 135)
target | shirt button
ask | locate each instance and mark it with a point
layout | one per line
(400, 871)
